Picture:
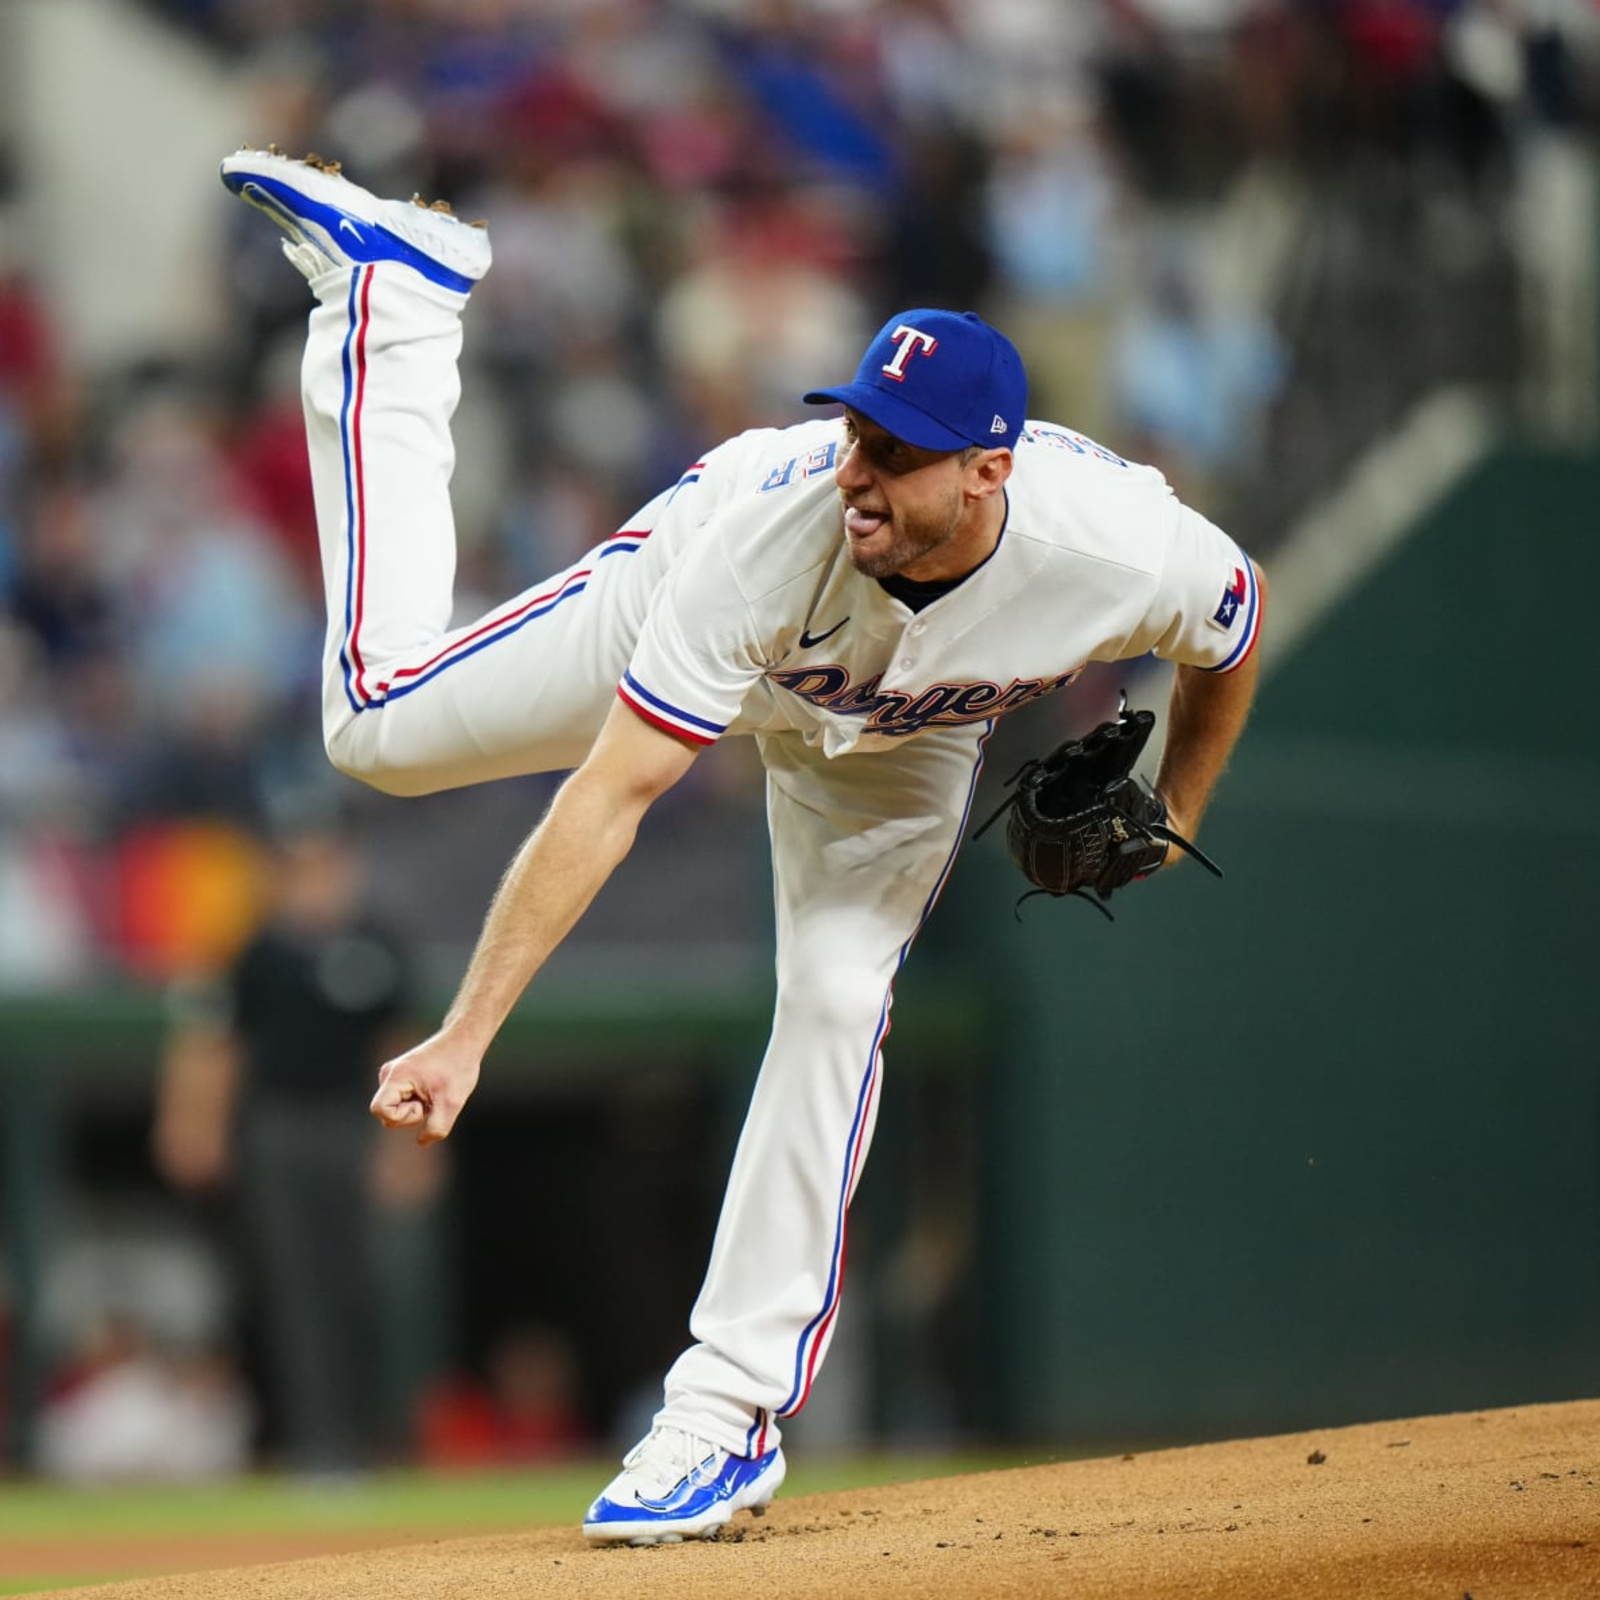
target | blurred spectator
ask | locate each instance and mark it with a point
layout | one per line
(763, 302)
(937, 246)
(821, 103)
(1191, 375)
(132, 1411)
(36, 411)
(564, 281)
(524, 1411)
(40, 777)
(214, 610)
(60, 594)
(1053, 205)
(265, 1085)
(46, 930)
(264, 448)
(282, 95)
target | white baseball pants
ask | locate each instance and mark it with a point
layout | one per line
(861, 845)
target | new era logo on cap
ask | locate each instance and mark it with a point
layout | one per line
(941, 380)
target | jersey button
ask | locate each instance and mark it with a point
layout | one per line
(907, 664)
(917, 627)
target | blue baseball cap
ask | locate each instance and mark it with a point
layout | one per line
(941, 380)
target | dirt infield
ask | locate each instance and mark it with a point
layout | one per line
(1497, 1505)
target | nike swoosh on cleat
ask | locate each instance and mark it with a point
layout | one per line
(345, 222)
(255, 195)
(810, 641)
(696, 1478)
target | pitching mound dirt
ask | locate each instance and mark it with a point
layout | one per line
(1498, 1505)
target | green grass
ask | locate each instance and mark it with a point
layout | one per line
(444, 1505)
(274, 1504)
(464, 1500)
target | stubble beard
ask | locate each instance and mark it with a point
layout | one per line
(911, 537)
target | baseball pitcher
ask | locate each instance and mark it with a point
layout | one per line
(861, 594)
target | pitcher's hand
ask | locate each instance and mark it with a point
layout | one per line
(426, 1088)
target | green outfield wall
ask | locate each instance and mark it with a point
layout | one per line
(1322, 1142)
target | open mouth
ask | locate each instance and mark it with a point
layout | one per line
(862, 524)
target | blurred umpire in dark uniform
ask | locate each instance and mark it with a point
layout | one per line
(264, 1090)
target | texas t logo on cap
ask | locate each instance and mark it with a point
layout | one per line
(941, 380)
(908, 339)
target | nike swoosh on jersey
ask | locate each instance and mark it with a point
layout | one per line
(810, 642)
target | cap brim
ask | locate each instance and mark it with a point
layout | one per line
(891, 413)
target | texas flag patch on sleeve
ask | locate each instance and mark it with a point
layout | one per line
(1239, 613)
(1232, 598)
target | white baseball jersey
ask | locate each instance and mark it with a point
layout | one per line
(730, 605)
(763, 624)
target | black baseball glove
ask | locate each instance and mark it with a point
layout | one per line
(1081, 823)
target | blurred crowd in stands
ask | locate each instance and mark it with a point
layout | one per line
(1223, 232)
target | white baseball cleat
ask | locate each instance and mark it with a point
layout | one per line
(332, 222)
(674, 1486)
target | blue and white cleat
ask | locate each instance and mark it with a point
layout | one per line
(333, 223)
(674, 1486)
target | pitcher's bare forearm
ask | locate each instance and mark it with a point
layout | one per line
(549, 884)
(562, 866)
(588, 829)
(1205, 716)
